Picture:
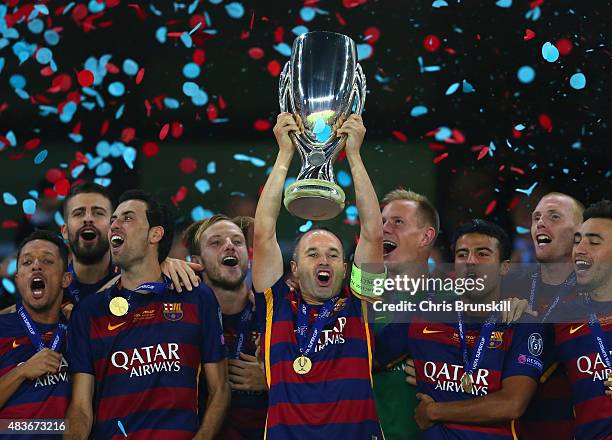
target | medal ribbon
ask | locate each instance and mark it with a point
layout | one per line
(244, 328)
(481, 342)
(308, 337)
(73, 288)
(564, 289)
(30, 327)
(154, 288)
(597, 332)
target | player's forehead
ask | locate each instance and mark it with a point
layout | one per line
(475, 240)
(39, 247)
(223, 229)
(555, 202)
(88, 201)
(400, 208)
(319, 239)
(598, 226)
(137, 207)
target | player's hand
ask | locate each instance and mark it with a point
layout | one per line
(182, 273)
(67, 310)
(287, 123)
(517, 308)
(43, 362)
(410, 372)
(421, 413)
(247, 374)
(608, 385)
(355, 131)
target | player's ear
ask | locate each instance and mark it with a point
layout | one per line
(505, 267)
(156, 233)
(66, 279)
(293, 268)
(197, 259)
(428, 237)
(64, 230)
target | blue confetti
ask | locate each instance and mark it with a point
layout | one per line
(199, 213)
(116, 88)
(439, 4)
(305, 227)
(211, 168)
(76, 171)
(36, 26)
(95, 6)
(171, 103)
(186, 39)
(527, 191)
(1, 64)
(324, 134)
(191, 70)
(9, 199)
(41, 8)
(418, 110)
(12, 138)
(522, 230)
(103, 181)
(202, 185)
(59, 220)
(525, 74)
(17, 81)
(68, 112)
(120, 425)
(29, 206)
(104, 169)
(40, 157)
(283, 49)
(51, 37)
(578, 81)
(200, 98)
(160, 34)
(119, 111)
(197, 26)
(307, 13)
(130, 67)
(504, 3)
(443, 133)
(8, 285)
(452, 89)
(467, 87)
(190, 88)
(344, 178)
(364, 51)
(234, 9)
(299, 30)
(11, 267)
(351, 213)
(519, 127)
(550, 52)
(103, 149)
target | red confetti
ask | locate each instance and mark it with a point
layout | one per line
(256, 53)
(199, 56)
(279, 33)
(262, 125)
(85, 78)
(62, 187)
(274, 68)
(529, 34)
(517, 170)
(54, 174)
(490, 207)
(61, 82)
(104, 128)
(222, 103)
(341, 20)
(515, 201)
(211, 112)
(431, 43)
(176, 130)
(111, 68)
(371, 35)
(483, 152)
(127, 134)
(79, 12)
(139, 11)
(180, 195)
(147, 107)
(437, 147)
(545, 122)
(150, 149)
(516, 134)
(188, 165)
(140, 75)
(565, 46)
(164, 131)
(353, 3)
(112, 3)
(440, 158)
(49, 193)
(9, 224)
(32, 144)
(535, 3)
(458, 136)
(399, 136)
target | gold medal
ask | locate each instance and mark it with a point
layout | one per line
(467, 382)
(302, 365)
(118, 306)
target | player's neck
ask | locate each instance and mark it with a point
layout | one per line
(232, 301)
(602, 293)
(311, 300)
(50, 316)
(91, 273)
(489, 298)
(147, 271)
(554, 274)
(414, 269)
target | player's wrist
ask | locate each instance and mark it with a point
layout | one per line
(433, 412)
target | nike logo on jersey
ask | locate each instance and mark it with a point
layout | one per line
(426, 331)
(113, 327)
(575, 329)
(15, 344)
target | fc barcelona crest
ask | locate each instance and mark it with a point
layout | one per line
(173, 311)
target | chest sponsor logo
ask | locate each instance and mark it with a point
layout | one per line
(596, 368)
(447, 377)
(51, 379)
(332, 336)
(173, 311)
(144, 361)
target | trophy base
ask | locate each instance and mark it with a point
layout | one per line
(314, 199)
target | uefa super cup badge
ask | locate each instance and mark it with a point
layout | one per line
(322, 83)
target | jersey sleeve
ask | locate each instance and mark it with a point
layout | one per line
(78, 341)
(213, 347)
(391, 343)
(526, 355)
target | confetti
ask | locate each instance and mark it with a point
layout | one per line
(525, 74)
(578, 81)
(549, 52)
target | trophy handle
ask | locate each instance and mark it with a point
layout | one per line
(283, 88)
(359, 88)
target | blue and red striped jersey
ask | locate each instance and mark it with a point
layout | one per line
(77, 290)
(587, 371)
(146, 364)
(246, 417)
(334, 399)
(514, 350)
(46, 397)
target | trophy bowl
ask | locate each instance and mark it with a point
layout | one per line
(322, 83)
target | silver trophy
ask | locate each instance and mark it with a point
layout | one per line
(321, 83)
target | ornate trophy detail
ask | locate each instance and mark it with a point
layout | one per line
(322, 82)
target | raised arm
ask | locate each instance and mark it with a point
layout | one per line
(80, 410)
(369, 249)
(267, 257)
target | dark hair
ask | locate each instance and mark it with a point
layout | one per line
(53, 237)
(193, 234)
(157, 215)
(86, 188)
(601, 209)
(480, 226)
(298, 239)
